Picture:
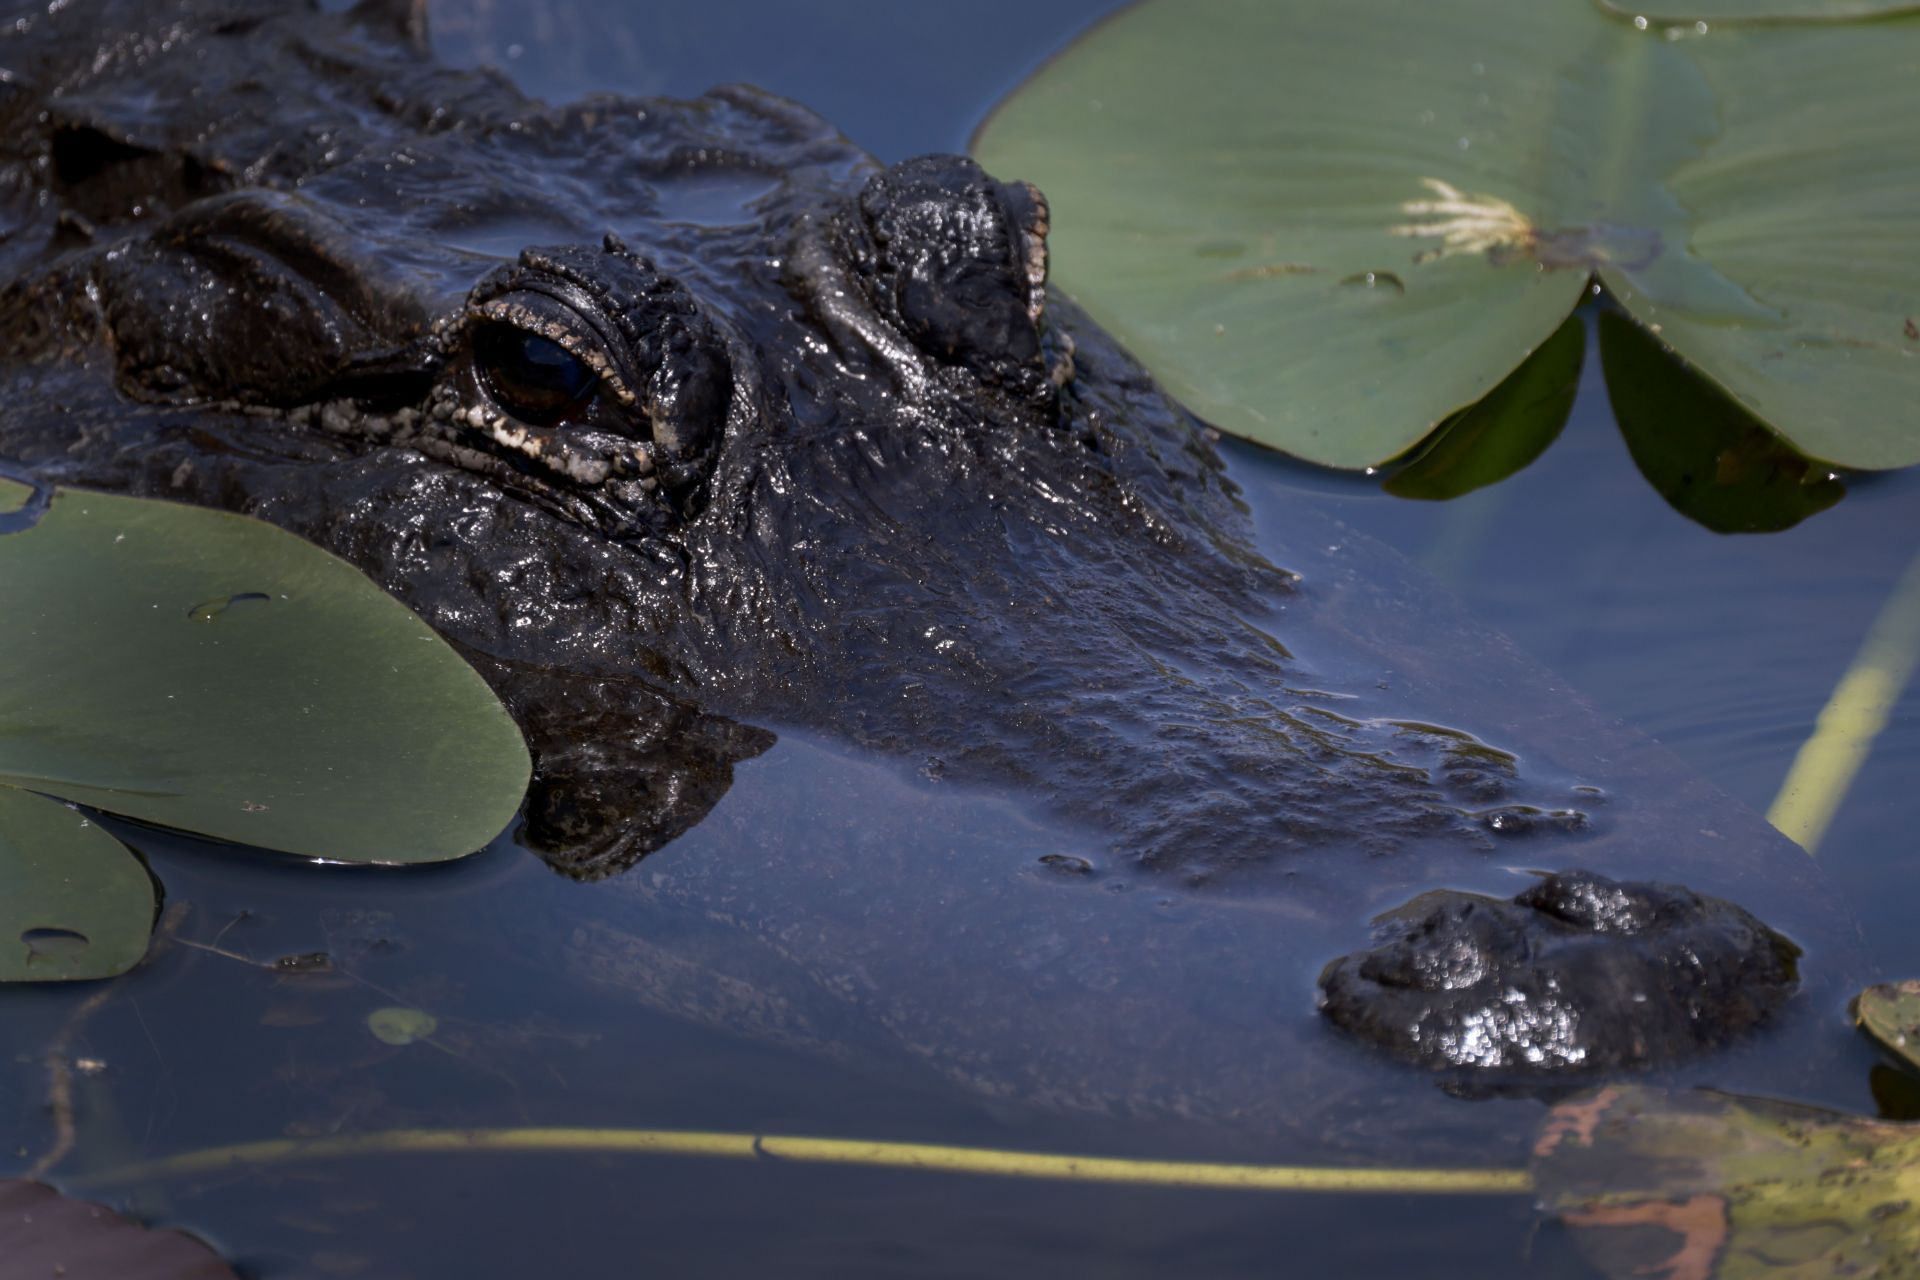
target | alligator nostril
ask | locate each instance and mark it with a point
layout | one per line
(958, 262)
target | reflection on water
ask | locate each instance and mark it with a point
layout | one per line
(550, 1007)
(716, 199)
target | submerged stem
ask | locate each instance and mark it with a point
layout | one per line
(896, 1155)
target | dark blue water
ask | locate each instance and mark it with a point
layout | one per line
(1723, 648)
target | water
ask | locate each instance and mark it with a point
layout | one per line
(1723, 648)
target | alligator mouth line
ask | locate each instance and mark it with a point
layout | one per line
(619, 495)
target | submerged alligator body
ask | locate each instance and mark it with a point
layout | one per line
(694, 426)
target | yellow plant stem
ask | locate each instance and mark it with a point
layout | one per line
(1854, 716)
(889, 1155)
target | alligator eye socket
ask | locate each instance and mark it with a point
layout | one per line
(535, 379)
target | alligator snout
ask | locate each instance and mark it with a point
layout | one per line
(1576, 974)
(959, 262)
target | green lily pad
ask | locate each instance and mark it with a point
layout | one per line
(1506, 431)
(397, 1025)
(1691, 1186)
(13, 496)
(74, 903)
(1718, 11)
(1329, 225)
(1890, 1013)
(208, 672)
(1712, 461)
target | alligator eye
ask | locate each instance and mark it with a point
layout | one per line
(533, 378)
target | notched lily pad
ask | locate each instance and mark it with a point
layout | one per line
(74, 902)
(13, 496)
(1222, 172)
(46, 1234)
(212, 673)
(1712, 461)
(1505, 432)
(1690, 1186)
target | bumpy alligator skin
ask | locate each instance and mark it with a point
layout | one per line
(1577, 973)
(691, 424)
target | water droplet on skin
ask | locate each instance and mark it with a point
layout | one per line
(1699, 28)
(208, 610)
(1464, 143)
(1640, 23)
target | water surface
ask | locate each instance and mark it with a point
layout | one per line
(1723, 648)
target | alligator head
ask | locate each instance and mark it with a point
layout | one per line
(680, 418)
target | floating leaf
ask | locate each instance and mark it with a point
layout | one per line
(74, 903)
(398, 1026)
(1720, 11)
(1689, 1186)
(45, 1234)
(1331, 224)
(1507, 430)
(1890, 1013)
(1712, 461)
(13, 496)
(212, 673)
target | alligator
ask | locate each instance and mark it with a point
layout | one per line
(698, 430)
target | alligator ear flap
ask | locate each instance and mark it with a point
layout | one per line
(958, 262)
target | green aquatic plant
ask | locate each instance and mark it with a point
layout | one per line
(1333, 227)
(1712, 461)
(1890, 1013)
(1509, 427)
(1708, 1186)
(206, 672)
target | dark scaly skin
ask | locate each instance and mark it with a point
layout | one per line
(1465, 981)
(849, 473)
